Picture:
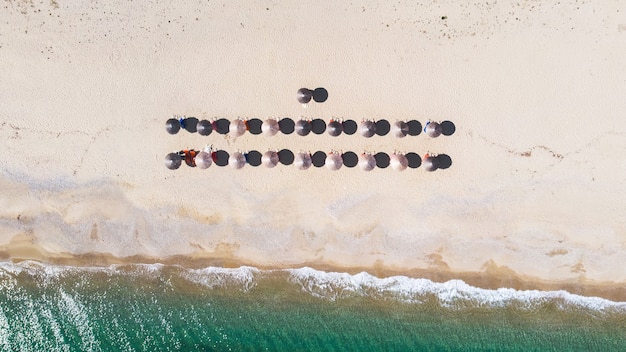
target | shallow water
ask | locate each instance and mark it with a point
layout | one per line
(153, 307)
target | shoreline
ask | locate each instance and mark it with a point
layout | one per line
(491, 278)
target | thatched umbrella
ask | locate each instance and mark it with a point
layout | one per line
(270, 158)
(398, 161)
(334, 161)
(237, 127)
(430, 162)
(303, 127)
(204, 127)
(270, 127)
(172, 126)
(303, 161)
(237, 160)
(334, 128)
(173, 161)
(304, 95)
(433, 129)
(367, 161)
(367, 128)
(203, 160)
(400, 129)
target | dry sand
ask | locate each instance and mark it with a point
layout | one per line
(536, 91)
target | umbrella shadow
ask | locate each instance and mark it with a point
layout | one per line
(414, 160)
(190, 124)
(254, 126)
(320, 95)
(444, 161)
(285, 157)
(286, 125)
(221, 126)
(350, 159)
(318, 158)
(350, 127)
(220, 157)
(448, 128)
(382, 160)
(382, 127)
(415, 127)
(318, 126)
(253, 157)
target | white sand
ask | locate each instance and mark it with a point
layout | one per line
(536, 91)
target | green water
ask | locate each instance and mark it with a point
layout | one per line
(139, 309)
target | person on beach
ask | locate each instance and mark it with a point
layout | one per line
(189, 155)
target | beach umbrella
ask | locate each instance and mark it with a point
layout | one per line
(367, 162)
(303, 160)
(432, 129)
(270, 127)
(237, 160)
(367, 128)
(270, 158)
(237, 127)
(334, 128)
(172, 126)
(304, 95)
(203, 160)
(400, 129)
(334, 161)
(303, 127)
(398, 161)
(173, 161)
(204, 127)
(430, 163)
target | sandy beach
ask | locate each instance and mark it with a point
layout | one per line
(534, 197)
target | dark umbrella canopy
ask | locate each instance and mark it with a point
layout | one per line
(304, 95)
(433, 129)
(172, 126)
(303, 127)
(367, 128)
(173, 161)
(334, 128)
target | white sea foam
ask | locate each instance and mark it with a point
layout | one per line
(223, 277)
(453, 293)
(77, 314)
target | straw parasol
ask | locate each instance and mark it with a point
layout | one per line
(303, 161)
(334, 161)
(430, 162)
(400, 129)
(203, 160)
(172, 126)
(303, 127)
(367, 161)
(270, 158)
(304, 95)
(367, 128)
(433, 129)
(398, 161)
(204, 127)
(334, 128)
(173, 161)
(270, 127)
(237, 127)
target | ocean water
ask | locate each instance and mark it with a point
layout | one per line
(169, 308)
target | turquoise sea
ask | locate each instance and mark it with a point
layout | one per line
(170, 308)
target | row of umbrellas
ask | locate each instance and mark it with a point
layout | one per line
(303, 127)
(334, 160)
